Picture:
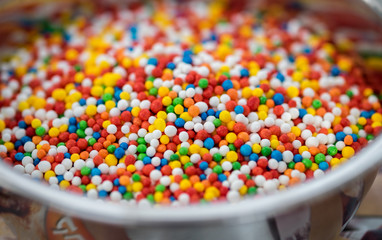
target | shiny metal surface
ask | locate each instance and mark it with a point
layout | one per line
(325, 205)
(375, 5)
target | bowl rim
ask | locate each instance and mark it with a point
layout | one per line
(367, 160)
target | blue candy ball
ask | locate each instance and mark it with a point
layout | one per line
(209, 143)
(323, 166)
(227, 84)
(277, 155)
(239, 109)
(203, 165)
(340, 136)
(19, 156)
(119, 153)
(122, 189)
(222, 177)
(244, 72)
(245, 150)
(152, 61)
(297, 158)
(102, 194)
(278, 98)
(124, 145)
(95, 172)
(254, 157)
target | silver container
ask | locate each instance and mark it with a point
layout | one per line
(319, 209)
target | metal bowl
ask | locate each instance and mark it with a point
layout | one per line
(319, 209)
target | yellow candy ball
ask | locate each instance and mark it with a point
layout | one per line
(109, 105)
(256, 148)
(131, 168)
(71, 54)
(126, 62)
(96, 91)
(23, 105)
(348, 152)
(160, 124)
(91, 110)
(232, 156)
(9, 145)
(78, 77)
(175, 164)
(199, 187)
(243, 190)
(186, 116)
(297, 76)
(2, 125)
(135, 111)
(209, 196)
(166, 101)
(39, 103)
(64, 184)
(163, 91)
(376, 117)
(36, 123)
(257, 92)
(185, 184)
(225, 116)
(54, 132)
(125, 95)
(162, 115)
(75, 157)
(178, 109)
(90, 186)
(184, 159)
(194, 148)
(137, 186)
(262, 115)
(106, 123)
(246, 93)
(59, 94)
(49, 174)
(292, 91)
(158, 196)
(164, 139)
(231, 137)
(111, 160)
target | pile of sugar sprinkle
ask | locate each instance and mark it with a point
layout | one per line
(176, 106)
